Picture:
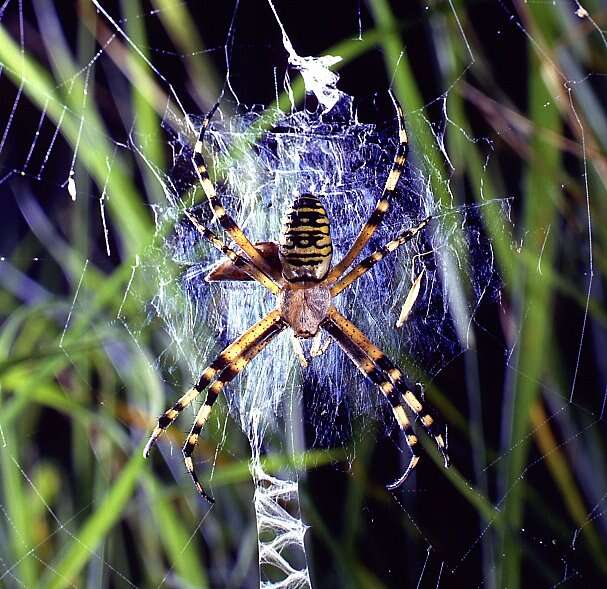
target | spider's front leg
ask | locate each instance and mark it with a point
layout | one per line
(220, 372)
(228, 374)
(376, 366)
(377, 376)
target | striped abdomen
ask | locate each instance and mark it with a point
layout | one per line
(305, 248)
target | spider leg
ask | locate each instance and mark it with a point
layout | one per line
(377, 256)
(336, 321)
(260, 330)
(377, 376)
(228, 224)
(383, 204)
(242, 263)
(227, 375)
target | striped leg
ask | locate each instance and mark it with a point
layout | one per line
(240, 262)
(394, 374)
(249, 338)
(227, 375)
(376, 257)
(377, 376)
(405, 426)
(224, 219)
(383, 204)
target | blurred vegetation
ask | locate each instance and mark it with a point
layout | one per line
(523, 504)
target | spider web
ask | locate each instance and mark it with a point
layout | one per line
(339, 147)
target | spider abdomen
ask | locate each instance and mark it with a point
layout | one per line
(305, 248)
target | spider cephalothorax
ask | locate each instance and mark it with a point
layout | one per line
(304, 308)
(298, 272)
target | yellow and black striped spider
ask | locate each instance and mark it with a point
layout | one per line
(298, 271)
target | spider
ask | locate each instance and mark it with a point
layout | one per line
(298, 272)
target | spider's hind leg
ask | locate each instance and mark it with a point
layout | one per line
(224, 219)
(230, 270)
(383, 204)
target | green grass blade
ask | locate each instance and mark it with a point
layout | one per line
(93, 532)
(533, 304)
